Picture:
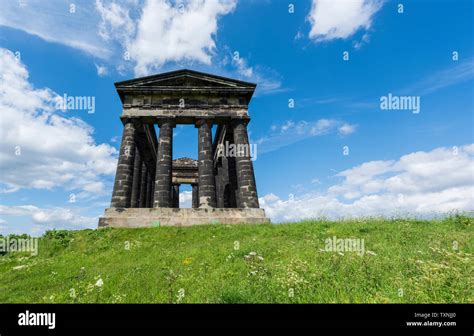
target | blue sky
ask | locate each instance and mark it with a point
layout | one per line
(398, 162)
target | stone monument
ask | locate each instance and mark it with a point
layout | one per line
(146, 188)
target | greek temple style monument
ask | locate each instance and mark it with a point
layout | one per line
(146, 189)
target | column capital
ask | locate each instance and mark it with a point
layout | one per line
(239, 121)
(136, 121)
(201, 121)
(162, 121)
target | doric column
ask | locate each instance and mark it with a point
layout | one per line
(176, 196)
(121, 195)
(148, 191)
(137, 168)
(207, 182)
(163, 165)
(195, 199)
(247, 188)
(143, 177)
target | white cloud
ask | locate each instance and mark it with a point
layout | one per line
(53, 21)
(299, 35)
(101, 70)
(243, 68)
(41, 148)
(115, 22)
(346, 129)
(153, 32)
(176, 32)
(291, 132)
(268, 81)
(457, 73)
(185, 199)
(331, 19)
(140, 36)
(115, 138)
(364, 39)
(421, 184)
(43, 219)
(460, 72)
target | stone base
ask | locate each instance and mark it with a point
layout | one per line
(154, 217)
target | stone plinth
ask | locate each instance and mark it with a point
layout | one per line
(155, 217)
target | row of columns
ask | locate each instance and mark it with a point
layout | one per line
(134, 182)
(136, 186)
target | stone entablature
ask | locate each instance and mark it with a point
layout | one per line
(200, 100)
(185, 96)
(186, 116)
(147, 177)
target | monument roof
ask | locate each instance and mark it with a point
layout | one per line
(185, 80)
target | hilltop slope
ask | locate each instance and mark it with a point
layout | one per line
(403, 261)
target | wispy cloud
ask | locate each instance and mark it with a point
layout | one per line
(291, 132)
(347, 129)
(234, 64)
(42, 219)
(308, 102)
(458, 73)
(55, 21)
(101, 70)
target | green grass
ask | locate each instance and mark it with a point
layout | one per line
(406, 261)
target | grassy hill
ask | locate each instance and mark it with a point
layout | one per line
(404, 261)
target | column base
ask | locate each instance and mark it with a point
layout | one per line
(155, 217)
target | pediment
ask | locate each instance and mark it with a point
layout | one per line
(187, 81)
(183, 79)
